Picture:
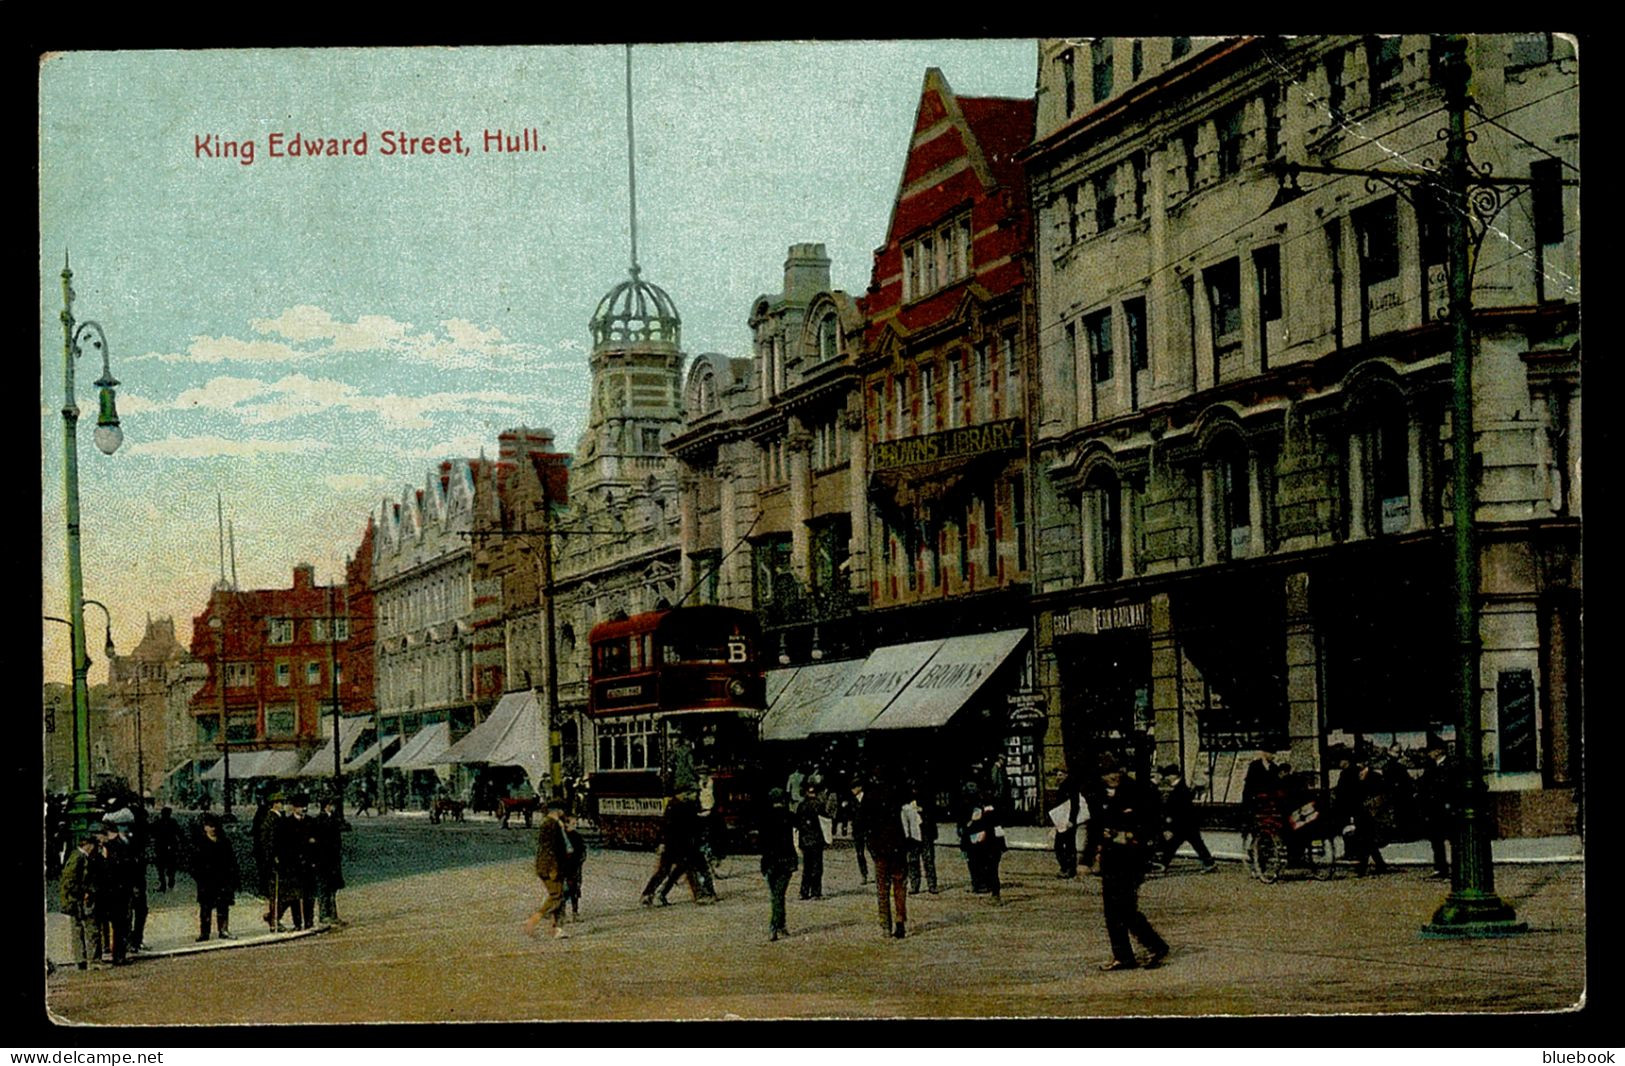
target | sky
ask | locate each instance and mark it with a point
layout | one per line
(307, 335)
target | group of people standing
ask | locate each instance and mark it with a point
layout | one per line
(103, 891)
(299, 860)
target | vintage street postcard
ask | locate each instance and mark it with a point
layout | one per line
(924, 529)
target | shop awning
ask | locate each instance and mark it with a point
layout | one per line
(426, 749)
(321, 763)
(776, 681)
(247, 764)
(958, 670)
(513, 735)
(882, 676)
(388, 744)
(811, 690)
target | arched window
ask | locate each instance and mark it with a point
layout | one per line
(1232, 530)
(829, 337)
(1381, 472)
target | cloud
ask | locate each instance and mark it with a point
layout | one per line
(306, 332)
(258, 402)
(219, 394)
(356, 482)
(210, 447)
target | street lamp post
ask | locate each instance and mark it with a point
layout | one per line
(219, 628)
(108, 437)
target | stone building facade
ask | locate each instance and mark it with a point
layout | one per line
(426, 603)
(771, 460)
(616, 550)
(138, 732)
(1242, 413)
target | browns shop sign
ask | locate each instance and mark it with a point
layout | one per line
(966, 442)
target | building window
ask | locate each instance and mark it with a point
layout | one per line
(1235, 516)
(651, 440)
(1224, 299)
(1018, 515)
(1072, 214)
(1188, 142)
(990, 534)
(955, 387)
(1012, 359)
(1384, 60)
(280, 630)
(1098, 326)
(1137, 165)
(937, 259)
(1181, 47)
(829, 337)
(1137, 60)
(877, 409)
(1134, 319)
(318, 630)
(239, 675)
(1069, 80)
(982, 394)
(1273, 96)
(1378, 228)
(1530, 49)
(774, 580)
(1227, 125)
(1267, 265)
(928, 399)
(1105, 185)
(313, 673)
(341, 629)
(1547, 194)
(904, 406)
(1389, 473)
(1101, 62)
(279, 720)
(1336, 90)
(1102, 508)
(284, 675)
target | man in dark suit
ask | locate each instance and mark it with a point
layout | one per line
(553, 858)
(1122, 828)
(1179, 820)
(878, 821)
(79, 900)
(810, 830)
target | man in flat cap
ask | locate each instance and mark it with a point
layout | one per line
(554, 855)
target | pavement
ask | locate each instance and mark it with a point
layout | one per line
(172, 920)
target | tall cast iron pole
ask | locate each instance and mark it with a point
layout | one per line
(82, 807)
(1472, 908)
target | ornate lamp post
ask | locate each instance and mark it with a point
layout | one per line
(108, 437)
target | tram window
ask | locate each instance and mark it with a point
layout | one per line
(638, 756)
(606, 752)
(612, 658)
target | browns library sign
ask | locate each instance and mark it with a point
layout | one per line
(965, 442)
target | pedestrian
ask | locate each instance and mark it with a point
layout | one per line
(1069, 796)
(677, 854)
(683, 775)
(365, 801)
(552, 859)
(294, 852)
(1179, 820)
(1122, 828)
(778, 858)
(572, 870)
(263, 833)
(110, 891)
(793, 785)
(1260, 788)
(914, 840)
(814, 837)
(878, 821)
(982, 840)
(77, 886)
(135, 871)
(858, 839)
(1435, 800)
(214, 870)
(166, 846)
(1361, 799)
(1403, 821)
(329, 836)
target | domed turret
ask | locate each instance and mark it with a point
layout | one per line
(635, 312)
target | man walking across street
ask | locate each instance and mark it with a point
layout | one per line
(1438, 812)
(329, 835)
(1120, 834)
(858, 838)
(778, 858)
(1179, 820)
(552, 859)
(166, 846)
